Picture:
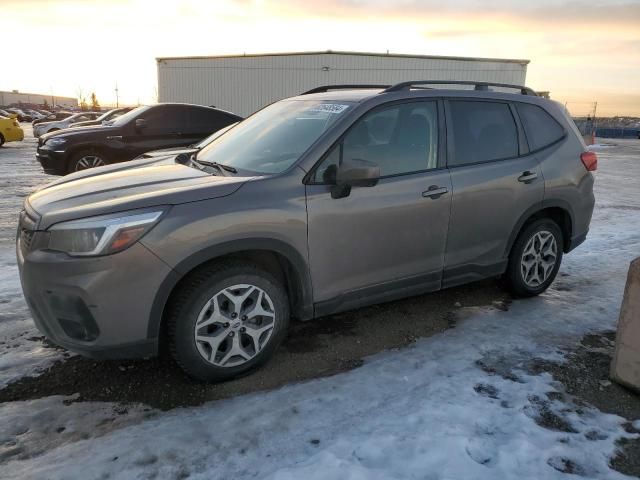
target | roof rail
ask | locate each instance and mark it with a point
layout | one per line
(326, 88)
(484, 86)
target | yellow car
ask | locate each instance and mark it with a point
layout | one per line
(10, 130)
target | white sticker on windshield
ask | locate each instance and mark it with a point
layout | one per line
(329, 108)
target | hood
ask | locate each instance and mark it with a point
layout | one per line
(127, 186)
(168, 152)
(46, 124)
(71, 132)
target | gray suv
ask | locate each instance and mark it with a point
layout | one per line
(338, 198)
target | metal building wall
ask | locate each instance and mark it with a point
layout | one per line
(243, 84)
(8, 98)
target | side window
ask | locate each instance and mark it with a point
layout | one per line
(205, 120)
(540, 127)
(401, 139)
(482, 132)
(163, 119)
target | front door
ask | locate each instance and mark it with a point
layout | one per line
(390, 237)
(163, 129)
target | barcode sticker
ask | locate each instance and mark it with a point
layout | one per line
(329, 108)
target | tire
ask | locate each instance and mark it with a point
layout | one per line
(1, 139)
(233, 345)
(86, 159)
(530, 270)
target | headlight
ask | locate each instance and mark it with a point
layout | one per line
(56, 141)
(102, 235)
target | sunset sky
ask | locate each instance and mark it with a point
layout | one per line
(582, 51)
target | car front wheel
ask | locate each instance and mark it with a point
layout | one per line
(535, 258)
(85, 160)
(227, 320)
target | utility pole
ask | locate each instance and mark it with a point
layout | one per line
(117, 98)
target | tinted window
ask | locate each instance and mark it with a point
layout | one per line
(482, 131)
(206, 120)
(163, 119)
(540, 127)
(400, 139)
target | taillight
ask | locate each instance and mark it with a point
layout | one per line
(589, 160)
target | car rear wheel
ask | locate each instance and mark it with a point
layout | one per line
(227, 320)
(85, 160)
(1, 140)
(535, 258)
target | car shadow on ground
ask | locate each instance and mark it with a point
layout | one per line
(317, 348)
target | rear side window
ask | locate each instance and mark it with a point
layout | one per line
(205, 120)
(541, 128)
(482, 132)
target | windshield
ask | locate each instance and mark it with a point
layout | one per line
(274, 138)
(123, 119)
(213, 136)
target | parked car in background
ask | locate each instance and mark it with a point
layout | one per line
(140, 130)
(53, 117)
(47, 127)
(10, 130)
(22, 116)
(188, 150)
(105, 117)
(6, 114)
(317, 204)
(34, 114)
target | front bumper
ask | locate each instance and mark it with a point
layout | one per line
(99, 307)
(54, 162)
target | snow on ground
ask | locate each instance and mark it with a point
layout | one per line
(22, 351)
(459, 405)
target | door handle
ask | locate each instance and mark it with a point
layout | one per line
(434, 192)
(527, 177)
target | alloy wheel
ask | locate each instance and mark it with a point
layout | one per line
(89, 161)
(234, 325)
(539, 258)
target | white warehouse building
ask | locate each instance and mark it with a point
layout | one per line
(245, 83)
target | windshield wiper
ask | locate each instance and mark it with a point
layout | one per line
(219, 166)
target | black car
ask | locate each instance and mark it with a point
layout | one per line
(109, 116)
(141, 130)
(52, 117)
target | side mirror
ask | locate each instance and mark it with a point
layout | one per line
(141, 124)
(354, 173)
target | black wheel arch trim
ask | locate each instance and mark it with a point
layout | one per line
(303, 309)
(531, 211)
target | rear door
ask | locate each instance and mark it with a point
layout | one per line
(381, 241)
(495, 181)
